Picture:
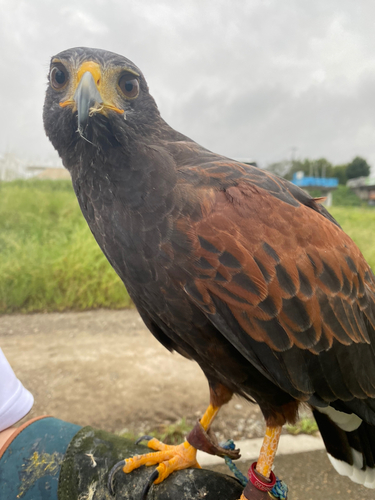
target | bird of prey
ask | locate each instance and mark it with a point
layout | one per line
(227, 264)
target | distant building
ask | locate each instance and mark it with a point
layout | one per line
(11, 168)
(364, 187)
(52, 173)
(325, 184)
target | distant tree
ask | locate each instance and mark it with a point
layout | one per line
(318, 168)
(323, 167)
(358, 168)
(339, 171)
(314, 168)
(280, 168)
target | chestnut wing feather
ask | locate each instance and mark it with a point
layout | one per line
(289, 289)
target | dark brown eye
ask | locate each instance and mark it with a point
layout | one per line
(58, 77)
(129, 86)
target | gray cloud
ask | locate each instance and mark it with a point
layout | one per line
(245, 78)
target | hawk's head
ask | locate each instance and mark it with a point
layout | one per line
(96, 99)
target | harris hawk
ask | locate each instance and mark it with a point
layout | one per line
(227, 264)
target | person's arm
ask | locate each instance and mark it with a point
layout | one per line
(15, 400)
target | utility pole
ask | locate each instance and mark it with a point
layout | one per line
(293, 151)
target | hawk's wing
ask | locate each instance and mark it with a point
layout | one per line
(287, 287)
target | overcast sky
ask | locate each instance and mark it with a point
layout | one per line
(244, 78)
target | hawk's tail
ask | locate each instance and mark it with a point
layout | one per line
(350, 444)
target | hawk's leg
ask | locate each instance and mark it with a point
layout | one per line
(260, 474)
(268, 451)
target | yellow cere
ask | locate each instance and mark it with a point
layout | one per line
(105, 81)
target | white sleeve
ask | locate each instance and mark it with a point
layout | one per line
(15, 400)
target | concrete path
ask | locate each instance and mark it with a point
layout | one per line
(250, 448)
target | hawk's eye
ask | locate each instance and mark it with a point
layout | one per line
(129, 86)
(58, 77)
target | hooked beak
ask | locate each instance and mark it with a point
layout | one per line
(86, 97)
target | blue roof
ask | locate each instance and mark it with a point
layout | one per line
(326, 182)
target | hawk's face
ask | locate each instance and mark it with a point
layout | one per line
(98, 98)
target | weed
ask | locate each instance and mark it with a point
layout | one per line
(305, 425)
(168, 434)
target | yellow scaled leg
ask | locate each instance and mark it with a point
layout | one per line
(268, 451)
(258, 481)
(169, 458)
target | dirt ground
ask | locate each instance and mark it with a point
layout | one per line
(103, 368)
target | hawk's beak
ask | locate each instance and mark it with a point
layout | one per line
(86, 96)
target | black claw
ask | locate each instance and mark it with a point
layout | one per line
(144, 438)
(150, 482)
(111, 475)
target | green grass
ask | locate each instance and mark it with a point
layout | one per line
(344, 196)
(359, 224)
(49, 260)
(306, 425)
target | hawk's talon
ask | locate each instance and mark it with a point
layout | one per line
(154, 476)
(112, 472)
(144, 438)
(168, 457)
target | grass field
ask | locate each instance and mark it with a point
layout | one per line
(359, 224)
(49, 260)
